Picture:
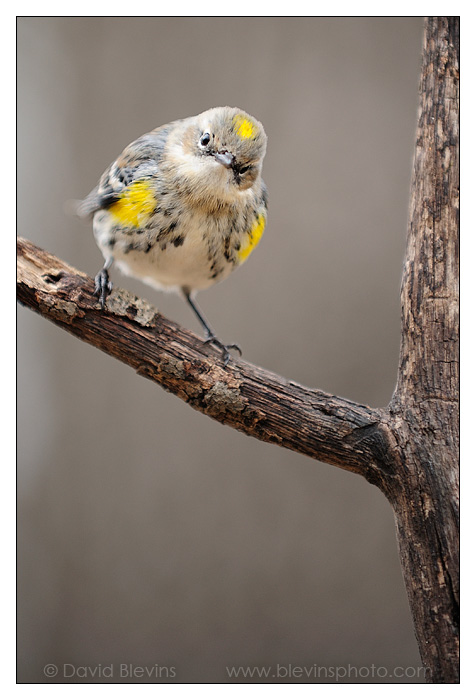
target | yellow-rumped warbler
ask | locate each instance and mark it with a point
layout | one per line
(183, 205)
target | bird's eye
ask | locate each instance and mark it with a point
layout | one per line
(244, 169)
(205, 139)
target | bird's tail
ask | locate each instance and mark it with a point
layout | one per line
(84, 208)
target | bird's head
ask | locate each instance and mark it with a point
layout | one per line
(223, 151)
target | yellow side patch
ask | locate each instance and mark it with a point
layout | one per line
(254, 237)
(243, 127)
(136, 204)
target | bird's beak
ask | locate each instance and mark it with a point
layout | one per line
(225, 158)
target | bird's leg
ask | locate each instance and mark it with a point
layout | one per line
(210, 336)
(103, 285)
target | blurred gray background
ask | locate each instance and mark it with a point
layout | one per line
(148, 533)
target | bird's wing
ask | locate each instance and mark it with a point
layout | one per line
(140, 160)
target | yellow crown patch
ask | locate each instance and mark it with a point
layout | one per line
(243, 127)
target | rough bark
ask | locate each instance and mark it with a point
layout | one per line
(248, 398)
(424, 409)
(408, 449)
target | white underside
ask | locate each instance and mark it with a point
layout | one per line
(175, 267)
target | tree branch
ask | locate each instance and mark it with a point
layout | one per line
(430, 327)
(248, 398)
(424, 408)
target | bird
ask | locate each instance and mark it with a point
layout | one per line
(182, 207)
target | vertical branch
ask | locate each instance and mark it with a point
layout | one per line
(425, 405)
(429, 350)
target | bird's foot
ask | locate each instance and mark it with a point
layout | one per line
(225, 349)
(103, 286)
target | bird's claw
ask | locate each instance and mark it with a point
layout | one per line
(103, 286)
(225, 349)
